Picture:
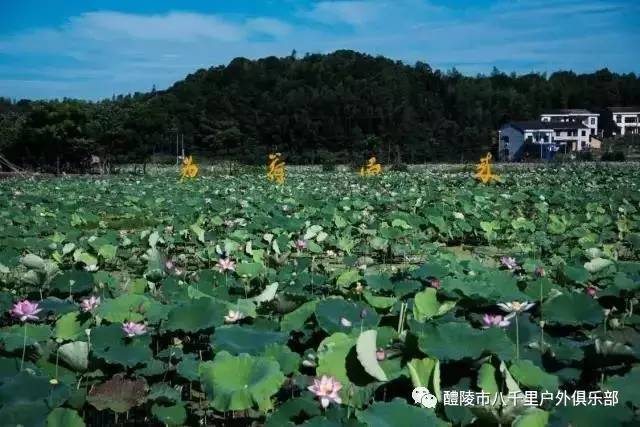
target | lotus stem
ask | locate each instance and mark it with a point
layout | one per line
(517, 339)
(24, 346)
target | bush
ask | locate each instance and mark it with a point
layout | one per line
(613, 156)
(585, 156)
(400, 167)
(328, 167)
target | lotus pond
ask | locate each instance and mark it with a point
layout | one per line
(228, 300)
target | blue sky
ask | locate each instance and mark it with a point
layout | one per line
(96, 48)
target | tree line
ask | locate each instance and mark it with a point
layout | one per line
(317, 109)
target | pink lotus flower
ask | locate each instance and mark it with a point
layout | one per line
(25, 310)
(435, 283)
(381, 355)
(490, 320)
(326, 389)
(132, 329)
(226, 264)
(90, 303)
(169, 265)
(539, 272)
(509, 262)
(300, 244)
(592, 291)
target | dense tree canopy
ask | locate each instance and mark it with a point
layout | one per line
(321, 108)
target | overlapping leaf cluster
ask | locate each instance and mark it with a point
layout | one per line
(386, 293)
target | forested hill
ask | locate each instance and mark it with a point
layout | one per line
(314, 109)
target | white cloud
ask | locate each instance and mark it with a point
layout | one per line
(98, 54)
(347, 12)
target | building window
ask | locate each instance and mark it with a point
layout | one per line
(616, 118)
(592, 120)
(584, 133)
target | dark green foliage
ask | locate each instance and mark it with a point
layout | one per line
(319, 109)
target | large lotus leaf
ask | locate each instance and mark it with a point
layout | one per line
(24, 414)
(378, 282)
(348, 277)
(573, 309)
(597, 264)
(426, 305)
(24, 387)
(188, 367)
(109, 343)
(386, 414)
(291, 409)
(598, 415)
(426, 373)
(288, 360)
(236, 383)
(532, 417)
(627, 386)
(455, 341)
(196, 315)
(576, 273)
(118, 394)
(165, 393)
(131, 307)
(12, 337)
(366, 348)
(238, 339)
(73, 281)
(529, 375)
(430, 269)
(487, 379)
(249, 269)
(63, 417)
(69, 327)
(298, 317)
(332, 357)
(175, 415)
(331, 312)
(75, 355)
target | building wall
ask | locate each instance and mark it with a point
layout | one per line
(625, 128)
(591, 121)
(515, 142)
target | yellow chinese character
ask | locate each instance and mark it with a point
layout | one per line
(189, 169)
(372, 168)
(483, 170)
(275, 168)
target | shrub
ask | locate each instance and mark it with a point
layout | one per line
(613, 156)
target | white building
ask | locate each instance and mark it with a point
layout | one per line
(626, 119)
(546, 136)
(585, 117)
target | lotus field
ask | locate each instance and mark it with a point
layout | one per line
(322, 301)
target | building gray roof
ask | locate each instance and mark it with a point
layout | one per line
(540, 125)
(569, 111)
(624, 109)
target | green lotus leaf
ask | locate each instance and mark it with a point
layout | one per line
(62, 417)
(331, 312)
(291, 409)
(426, 305)
(529, 375)
(196, 315)
(532, 417)
(426, 373)
(288, 360)
(12, 337)
(73, 281)
(332, 358)
(24, 414)
(236, 383)
(627, 386)
(33, 262)
(75, 355)
(455, 341)
(366, 348)
(348, 277)
(188, 367)
(385, 414)
(573, 309)
(164, 392)
(487, 379)
(127, 307)
(68, 326)
(175, 415)
(238, 339)
(249, 269)
(298, 317)
(110, 344)
(597, 264)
